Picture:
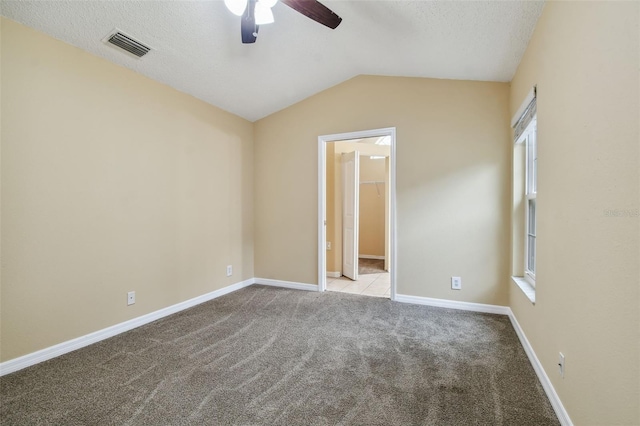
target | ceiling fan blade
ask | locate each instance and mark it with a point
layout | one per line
(315, 10)
(248, 27)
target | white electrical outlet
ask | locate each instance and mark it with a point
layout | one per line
(456, 283)
(328, 245)
(131, 298)
(229, 270)
(561, 365)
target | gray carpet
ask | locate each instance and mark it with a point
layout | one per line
(370, 266)
(272, 356)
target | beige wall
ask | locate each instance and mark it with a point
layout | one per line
(334, 210)
(453, 151)
(371, 218)
(111, 182)
(1, 22)
(584, 58)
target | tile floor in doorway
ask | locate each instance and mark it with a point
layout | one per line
(378, 285)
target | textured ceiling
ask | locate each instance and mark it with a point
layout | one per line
(197, 47)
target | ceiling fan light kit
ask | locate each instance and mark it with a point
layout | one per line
(263, 14)
(237, 7)
(258, 12)
(269, 3)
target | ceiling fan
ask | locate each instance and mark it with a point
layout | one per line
(258, 12)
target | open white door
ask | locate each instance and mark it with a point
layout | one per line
(350, 212)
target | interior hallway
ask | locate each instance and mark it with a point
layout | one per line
(373, 280)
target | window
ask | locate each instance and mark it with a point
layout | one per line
(525, 191)
(531, 173)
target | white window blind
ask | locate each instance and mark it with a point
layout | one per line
(528, 113)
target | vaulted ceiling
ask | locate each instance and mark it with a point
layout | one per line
(197, 48)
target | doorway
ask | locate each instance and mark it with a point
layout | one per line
(357, 166)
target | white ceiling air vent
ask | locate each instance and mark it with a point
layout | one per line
(127, 43)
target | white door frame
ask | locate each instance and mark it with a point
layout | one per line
(322, 200)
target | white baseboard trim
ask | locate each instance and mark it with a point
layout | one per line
(452, 304)
(557, 405)
(334, 274)
(80, 342)
(370, 256)
(286, 284)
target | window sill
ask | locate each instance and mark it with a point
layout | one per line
(526, 287)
